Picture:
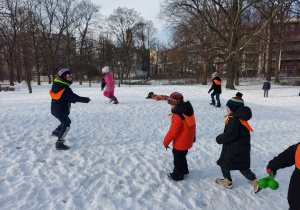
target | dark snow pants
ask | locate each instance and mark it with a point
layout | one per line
(247, 173)
(217, 96)
(180, 162)
(266, 93)
(64, 127)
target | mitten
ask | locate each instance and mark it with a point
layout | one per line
(167, 147)
(107, 88)
(269, 170)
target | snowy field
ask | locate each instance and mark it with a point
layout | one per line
(117, 159)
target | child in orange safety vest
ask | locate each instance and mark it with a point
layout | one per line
(287, 158)
(62, 97)
(182, 133)
(236, 147)
(217, 89)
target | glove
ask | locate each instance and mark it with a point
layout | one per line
(107, 88)
(194, 139)
(208, 91)
(167, 147)
(269, 170)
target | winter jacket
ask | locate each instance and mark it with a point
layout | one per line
(159, 97)
(62, 97)
(266, 86)
(216, 85)
(183, 127)
(286, 159)
(108, 81)
(235, 153)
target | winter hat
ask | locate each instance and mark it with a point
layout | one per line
(175, 99)
(105, 69)
(64, 73)
(235, 102)
(214, 74)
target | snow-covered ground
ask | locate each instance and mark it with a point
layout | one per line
(117, 160)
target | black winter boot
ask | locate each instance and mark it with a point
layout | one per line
(116, 101)
(55, 133)
(111, 99)
(60, 146)
(175, 177)
(213, 102)
(218, 105)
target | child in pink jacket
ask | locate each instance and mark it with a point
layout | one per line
(108, 81)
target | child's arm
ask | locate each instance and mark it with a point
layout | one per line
(231, 133)
(73, 98)
(174, 130)
(103, 84)
(284, 159)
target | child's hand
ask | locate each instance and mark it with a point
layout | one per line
(269, 171)
(107, 88)
(167, 147)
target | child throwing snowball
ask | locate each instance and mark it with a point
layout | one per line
(62, 97)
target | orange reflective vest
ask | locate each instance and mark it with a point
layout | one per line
(245, 123)
(57, 95)
(181, 132)
(217, 82)
(297, 157)
(190, 120)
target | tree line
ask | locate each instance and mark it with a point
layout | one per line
(225, 29)
(41, 36)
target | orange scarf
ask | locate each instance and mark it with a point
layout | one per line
(245, 123)
(297, 157)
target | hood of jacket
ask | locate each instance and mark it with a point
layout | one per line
(217, 78)
(183, 108)
(60, 84)
(243, 113)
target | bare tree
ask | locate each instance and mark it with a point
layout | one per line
(87, 14)
(227, 26)
(9, 34)
(122, 25)
(54, 22)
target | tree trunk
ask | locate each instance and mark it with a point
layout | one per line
(237, 78)
(278, 59)
(230, 73)
(269, 52)
(204, 74)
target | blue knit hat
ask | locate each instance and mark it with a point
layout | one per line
(236, 102)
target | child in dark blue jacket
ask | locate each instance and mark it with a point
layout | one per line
(266, 87)
(62, 97)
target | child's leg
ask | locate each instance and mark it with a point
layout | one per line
(213, 96)
(64, 127)
(252, 178)
(218, 97)
(226, 174)
(248, 174)
(180, 162)
(106, 93)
